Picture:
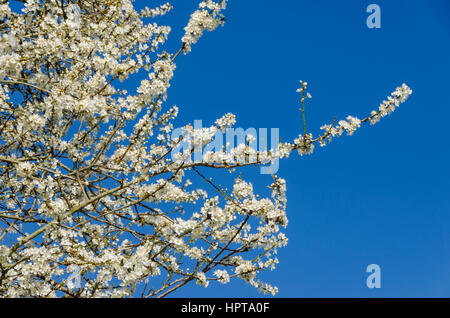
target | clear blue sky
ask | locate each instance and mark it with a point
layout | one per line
(380, 196)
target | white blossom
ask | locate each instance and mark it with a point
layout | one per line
(208, 17)
(222, 276)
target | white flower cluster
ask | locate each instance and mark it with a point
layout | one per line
(388, 106)
(302, 90)
(226, 121)
(400, 95)
(158, 11)
(222, 276)
(304, 144)
(350, 125)
(208, 17)
(4, 10)
(201, 279)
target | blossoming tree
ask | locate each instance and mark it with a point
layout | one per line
(93, 200)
